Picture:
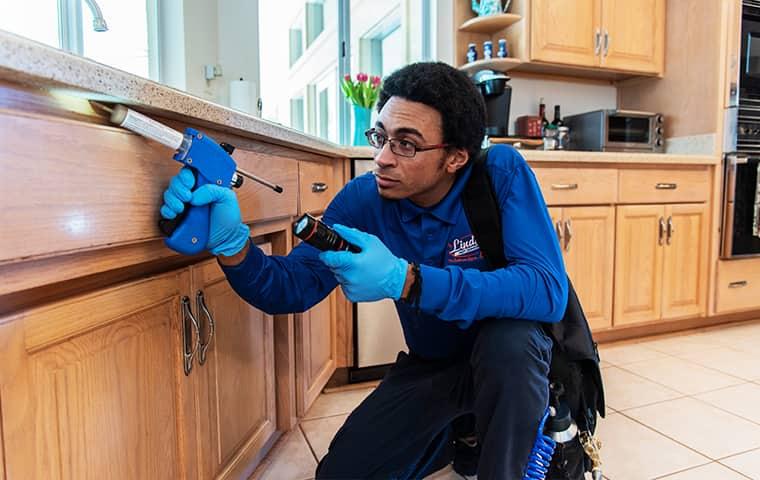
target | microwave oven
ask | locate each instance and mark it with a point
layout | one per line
(616, 131)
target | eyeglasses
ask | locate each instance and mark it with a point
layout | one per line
(404, 148)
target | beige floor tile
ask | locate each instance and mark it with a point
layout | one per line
(700, 426)
(631, 451)
(338, 403)
(320, 432)
(742, 400)
(682, 375)
(730, 334)
(712, 471)
(622, 354)
(624, 390)
(746, 463)
(291, 459)
(682, 344)
(733, 362)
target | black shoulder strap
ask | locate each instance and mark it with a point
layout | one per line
(482, 210)
(572, 335)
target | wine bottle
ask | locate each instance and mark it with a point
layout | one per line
(542, 114)
(557, 120)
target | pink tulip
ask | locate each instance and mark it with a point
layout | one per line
(347, 78)
(362, 77)
(375, 81)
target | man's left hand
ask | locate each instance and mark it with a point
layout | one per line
(370, 275)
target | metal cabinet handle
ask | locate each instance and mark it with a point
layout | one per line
(666, 186)
(597, 41)
(568, 234)
(606, 42)
(671, 230)
(739, 284)
(564, 186)
(661, 232)
(188, 346)
(201, 302)
(318, 187)
(558, 229)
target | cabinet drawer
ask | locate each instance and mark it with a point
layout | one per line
(577, 186)
(663, 185)
(738, 285)
(317, 186)
(258, 202)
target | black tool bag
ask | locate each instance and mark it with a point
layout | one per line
(575, 360)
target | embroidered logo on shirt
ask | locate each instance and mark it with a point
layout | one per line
(464, 249)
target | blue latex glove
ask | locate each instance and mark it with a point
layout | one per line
(373, 274)
(227, 233)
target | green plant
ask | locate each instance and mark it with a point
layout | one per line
(363, 91)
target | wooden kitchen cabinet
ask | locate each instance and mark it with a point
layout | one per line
(660, 262)
(93, 386)
(633, 35)
(563, 31)
(619, 35)
(236, 375)
(587, 240)
(316, 351)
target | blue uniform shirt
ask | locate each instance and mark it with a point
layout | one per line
(455, 293)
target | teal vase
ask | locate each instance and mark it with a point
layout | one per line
(361, 124)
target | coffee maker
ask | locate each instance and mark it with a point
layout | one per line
(497, 95)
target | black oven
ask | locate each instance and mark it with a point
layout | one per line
(741, 206)
(750, 55)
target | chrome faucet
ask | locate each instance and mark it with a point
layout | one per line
(98, 22)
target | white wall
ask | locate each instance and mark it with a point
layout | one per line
(238, 46)
(572, 97)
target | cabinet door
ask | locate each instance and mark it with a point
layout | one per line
(565, 31)
(640, 240)
(315, 351)
(93, 386)
(633, 36)
(589, 248)
(684, 288)
(238, 414)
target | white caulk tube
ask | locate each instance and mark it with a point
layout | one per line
(146, 126)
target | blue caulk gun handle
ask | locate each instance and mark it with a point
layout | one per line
(210, 163)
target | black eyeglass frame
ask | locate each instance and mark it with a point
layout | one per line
(395, 141)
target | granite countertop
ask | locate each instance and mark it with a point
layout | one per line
(25, 61)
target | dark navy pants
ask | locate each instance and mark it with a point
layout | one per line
(403, 428)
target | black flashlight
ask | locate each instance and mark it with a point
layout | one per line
(319, 235)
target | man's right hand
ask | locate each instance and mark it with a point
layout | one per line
(227, 233)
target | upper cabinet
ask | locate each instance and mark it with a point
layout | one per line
(565, 31)
(633, 35)
(604, 38)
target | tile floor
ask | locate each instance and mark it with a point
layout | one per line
(681, 407)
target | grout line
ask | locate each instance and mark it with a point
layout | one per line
(683, 471)
(728, 411)
(658, 402)
(325, 416)
(668, 437)
(308, 443)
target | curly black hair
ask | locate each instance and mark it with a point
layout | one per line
(450, 92)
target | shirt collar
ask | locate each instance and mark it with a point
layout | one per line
(445, 210)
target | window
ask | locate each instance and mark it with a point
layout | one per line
(126, 44)
(297, 113)
(300, 86)
(35, 19)
(129, 43)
